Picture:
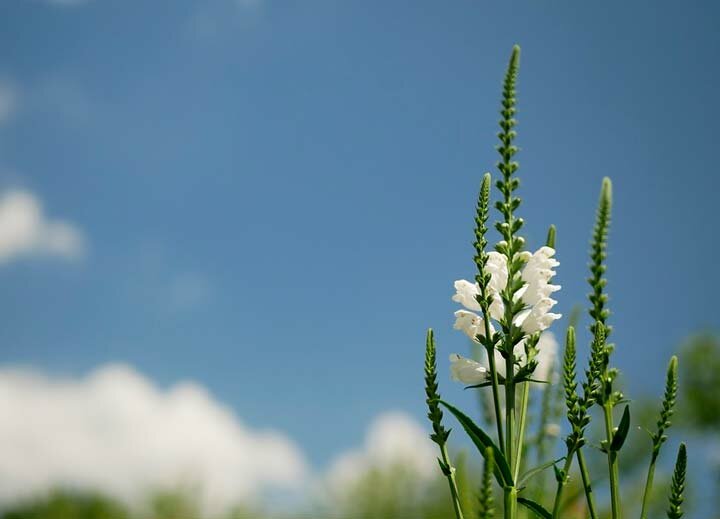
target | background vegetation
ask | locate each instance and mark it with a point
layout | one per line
(397, 493)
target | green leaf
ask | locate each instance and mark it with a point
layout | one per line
(482, 441)
(536, 470)
(537, 508)
(622, 432)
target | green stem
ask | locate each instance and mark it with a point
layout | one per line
(648, 486)
(561, 485)
(521, 429)
(587, 486)
(612, 464)
(451, 481)
(495, 386)
(509, 409)
(510, 492)
(510, 501)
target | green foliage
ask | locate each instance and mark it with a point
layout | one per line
(68, 505)
(483, 442)
(700, 371)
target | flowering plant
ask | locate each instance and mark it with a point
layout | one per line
(507, 311)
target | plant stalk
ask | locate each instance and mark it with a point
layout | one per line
(521, 428)
(510, 501)
(495, 386)
(561, 485)
(509, 409)
(452, 482)
(510, 492)
(648, 486)
(587, 486)
(612, 464)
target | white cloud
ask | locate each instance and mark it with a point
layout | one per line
(8, 100)
(393, 439)
(25, 230)
(116, 432)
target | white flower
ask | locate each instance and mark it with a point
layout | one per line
(537, 274)
(466, 294)
(470, 323)
(497, 267)
(538, 318)
(535, 293)
(467, 371)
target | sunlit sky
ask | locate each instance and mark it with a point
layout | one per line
(273, 198)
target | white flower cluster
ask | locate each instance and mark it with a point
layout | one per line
(535, 295)
(472, 372)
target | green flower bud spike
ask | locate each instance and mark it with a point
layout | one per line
(484, 299)
(598, 254)
(663, 424)
(440, 434)
(678, 485)
(486, 509)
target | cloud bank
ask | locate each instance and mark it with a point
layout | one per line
(116, 432)
(26, 231)
(392, 439)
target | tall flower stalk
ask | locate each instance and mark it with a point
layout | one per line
(435, 415)
(507, 310)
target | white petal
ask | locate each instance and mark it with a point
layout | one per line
(465, 294)
(467, 371)
(471, 324)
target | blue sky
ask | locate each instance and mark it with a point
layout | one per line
(275, 197)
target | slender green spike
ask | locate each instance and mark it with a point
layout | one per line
(550, 241)
(597, 364)
(435, 414)
(440, 434)
(668, 404)
(678, 485)
(484, 298)
(598, 254)
(663, 424)
(486, 509)
(569, 383)
(507, 150)
(481, 217)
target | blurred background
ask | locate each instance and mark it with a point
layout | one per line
(226, 224)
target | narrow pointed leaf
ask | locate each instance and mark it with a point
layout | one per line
(534, 507)
(622, 432)
(536, 470)
(482, 441)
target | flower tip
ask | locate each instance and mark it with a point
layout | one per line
(606, 190)
(550, 241)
